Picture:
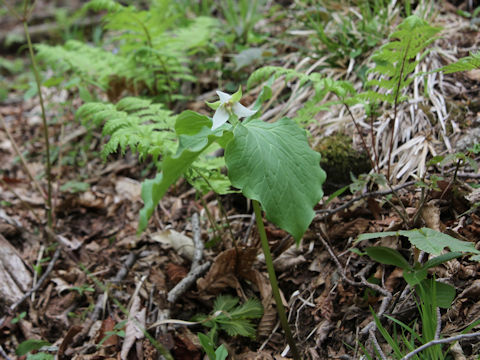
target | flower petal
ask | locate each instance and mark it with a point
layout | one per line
(224, 97)
(220, 117)
(242, 111)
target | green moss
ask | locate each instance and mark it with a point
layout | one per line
(339, 159)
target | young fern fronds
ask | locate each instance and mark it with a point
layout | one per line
(265, 72)
(464, 64)
(396, 60)
(145, 128)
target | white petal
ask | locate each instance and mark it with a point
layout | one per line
(242, 111)
(220, 117)
(224, 97)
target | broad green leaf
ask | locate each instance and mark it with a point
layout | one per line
(433, 242)
(29, 345)
(273, 163)
(386, 255)
(414, 277)
(207, 345)
(376, 235)
(192, 144)
(221, 353)
(441, 259)
(444, 293)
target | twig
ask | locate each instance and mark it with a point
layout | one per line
(440, 341)
(196, 270)
(439, 324)
(40, 282)
(3, 353)
(249, 229)
(330, 212)
(375, 343)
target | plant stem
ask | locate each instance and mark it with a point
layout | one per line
(45, 125)
(273, 280)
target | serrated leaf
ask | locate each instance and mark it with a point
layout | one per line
(225, 303)
(388, 256)
(273, 163)
(250, 309)
(433, 242)
(236, 327)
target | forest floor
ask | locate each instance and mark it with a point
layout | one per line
(100, 266)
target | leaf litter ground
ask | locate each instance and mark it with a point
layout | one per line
(104, 266)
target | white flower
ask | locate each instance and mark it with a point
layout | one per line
(227, 106)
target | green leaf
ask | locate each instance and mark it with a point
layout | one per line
(207, 346)
(386, 255)
(444, 293)
(190, 147)
(221, 353)
(376, 235)
(441, 259)
(273, 164)
(433, 242)
(415, 276)
(29, 345)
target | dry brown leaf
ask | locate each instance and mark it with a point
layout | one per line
(134, 327)
(431, 216)
(289, 259)
(259, 355)
(15, 278)
(128, 189)
(182, 244)
(226, 267)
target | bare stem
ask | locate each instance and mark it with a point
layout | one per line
(273, 281)
(45, 126)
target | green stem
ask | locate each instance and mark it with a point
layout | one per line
(45, 125)
(273, 280)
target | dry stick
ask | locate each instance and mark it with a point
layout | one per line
(196, 270)
(440, 341)
(3, 353)
(374, 341)
(22, 159)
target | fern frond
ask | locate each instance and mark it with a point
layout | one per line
(397, 59)
(133, 123)
(99, 5)
(265, 72)
(464, 64)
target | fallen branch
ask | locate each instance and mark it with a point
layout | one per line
(440, 341)
(196, 270)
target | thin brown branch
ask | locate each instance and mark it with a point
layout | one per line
(440, 341)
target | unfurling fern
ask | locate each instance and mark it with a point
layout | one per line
(396, 60)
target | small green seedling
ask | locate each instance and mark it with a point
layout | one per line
(220, 353)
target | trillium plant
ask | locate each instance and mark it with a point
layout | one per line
(270, 163)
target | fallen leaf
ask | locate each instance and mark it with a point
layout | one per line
(182, 244)
(134, 327)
